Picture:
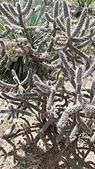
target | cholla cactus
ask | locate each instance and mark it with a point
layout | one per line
(14, 16)
(72, 38)
(53, 93)
(87, 109)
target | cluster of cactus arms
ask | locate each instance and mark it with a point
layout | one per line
(62, 114)
(16, 16)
